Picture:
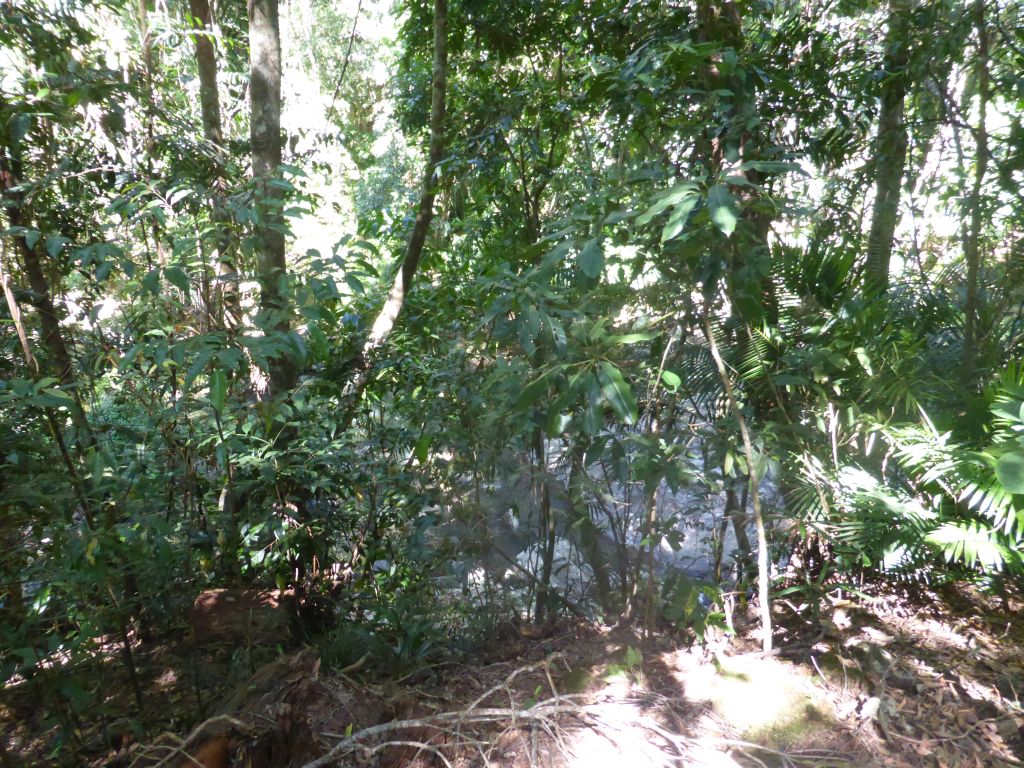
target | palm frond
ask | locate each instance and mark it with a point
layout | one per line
(973, 544)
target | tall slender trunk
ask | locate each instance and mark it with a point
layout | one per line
(723, 23)
(890, 151)
(51, 415)
(737, 514)
(265, 134)
(755, 494)
(587, 532)
(972, 242)
(42, 300)
(546, 528)
(388, 315)
(226, 301)
(206, 63)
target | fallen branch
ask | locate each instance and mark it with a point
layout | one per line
(203, 729)
(544, 714)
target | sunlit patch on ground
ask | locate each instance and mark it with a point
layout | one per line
(618, 742)
(758, 699)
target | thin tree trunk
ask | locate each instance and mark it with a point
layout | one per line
(755, 494)
(50, 413)
(737, 513)
(650, 524)
(587, 532)
(226, 302)
(546, 530)
(42, 300)
(972, 243)
(265, 134)
(146, 40)
(890, 151)
(388, 315)
(206, 63)
(15, 311)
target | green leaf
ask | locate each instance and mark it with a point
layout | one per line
(1010, 471)
(21, 124)
(151, 282)
(593, 411)
(218, 389)
(864, 360)
(55, 244)
(198, 365)
(617, 392)
(52, 398)
(355, 284)
(770, 166)
(557, 333)
(596, 451)
(634, 656)
(592, 258)
(665, 200)
(177, 195)
(633, 338)
(677, 221)
(722, 209)
(422, 447)
(671, 380)
(176, 276)
(532, 391)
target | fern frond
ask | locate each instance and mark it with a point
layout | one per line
(972, 543)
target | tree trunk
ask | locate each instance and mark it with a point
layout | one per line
(388, 315)
(972, 242)
(588, 534)
(546, 529)
(265, 134)
(42, 300)
(723, 23)
(737, 513)
(890, 151)
(226, 302)
(206, 63)
(764, 595)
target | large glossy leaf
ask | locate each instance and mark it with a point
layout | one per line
(422, 449)
(218, 389)
(617, 392)
(592, 258)
(722, 208)
(593, 409)
(633, 338)
(177, 277)
(1010, 471)
(532, 391)
(665, 200)
(677, 221)
(671, 380)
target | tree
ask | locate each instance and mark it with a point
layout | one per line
(972, 246)
(226, 294)
(386, 318)
(265, 135)
(890, 151)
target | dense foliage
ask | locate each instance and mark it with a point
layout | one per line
(748, 274)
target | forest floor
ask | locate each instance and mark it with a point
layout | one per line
(936, 679)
